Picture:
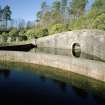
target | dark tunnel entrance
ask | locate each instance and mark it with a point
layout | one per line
(76, 50)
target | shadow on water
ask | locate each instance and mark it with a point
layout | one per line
(29, 84)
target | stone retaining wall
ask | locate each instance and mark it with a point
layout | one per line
(92, 42)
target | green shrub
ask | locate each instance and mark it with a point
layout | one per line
(30, 33)
(4, 36)
(57, 28)
(13, 32)
(21, 33)
(42, 32)
(23, 38)
(99, 22)
(81, 23)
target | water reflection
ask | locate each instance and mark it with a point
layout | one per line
(66, 52)
(61, 85)
(5, 73)
(28, 84)
(80, 92)
(99, 101)
(43, 78)
(54, 51)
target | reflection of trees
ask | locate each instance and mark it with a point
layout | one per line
(43, 78)
(61, 85)
(100, 100)
(5, 73)
(80, 92)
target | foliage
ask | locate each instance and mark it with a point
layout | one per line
(78, 8)
(30, 33)
(99, 22)
(42, 32)
(56, 6)
(38, 15)
(57, 28)
(61, 15)
(13, 32)
(21, 32)
(5, 15)
(7, 12)
(4, 36)
(63, 6)
(99, 4)
(43, 4)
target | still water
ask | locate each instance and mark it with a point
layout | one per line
(66, 52)
(28, 84)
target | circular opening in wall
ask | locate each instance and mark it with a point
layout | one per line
(76, 50)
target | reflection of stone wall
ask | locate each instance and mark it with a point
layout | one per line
(92, 42)
(90, 68)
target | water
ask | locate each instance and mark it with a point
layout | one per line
(27, 84)
(66, 52)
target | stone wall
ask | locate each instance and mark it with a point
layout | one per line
(89, 68)
(92, 42)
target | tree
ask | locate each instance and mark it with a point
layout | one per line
(99, 22)
(100, 4)
(57, 28)
(0, 18)
(78, 8)
(38, 15)
(13, 32)
(97, 9)
(56, 15)
(56, 6)
(0, 13)
(44, 8)
(46, 19)
(41, 15)
(21, 24)
(65, 10)
(42, 11)
(6, 14)
(29, 25)
(64, 5)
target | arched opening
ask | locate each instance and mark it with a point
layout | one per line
(76, 50)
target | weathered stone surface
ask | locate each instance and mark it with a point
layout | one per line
(92, 42)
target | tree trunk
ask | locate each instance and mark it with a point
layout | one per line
(6, 24)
